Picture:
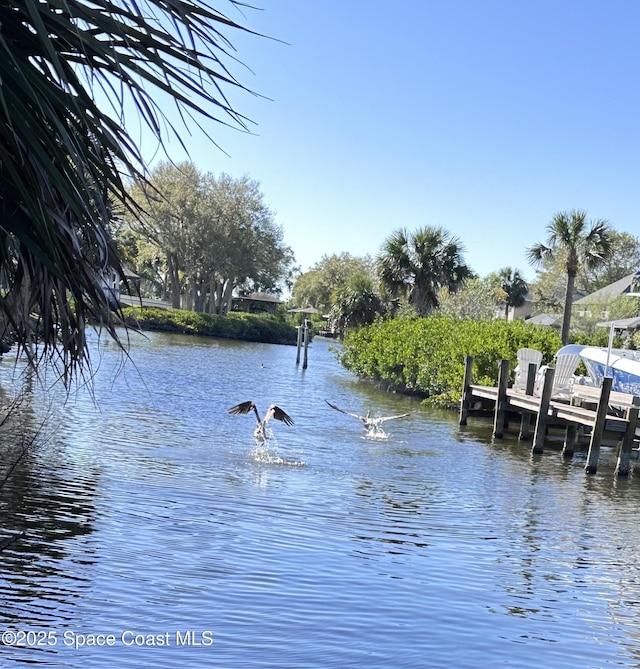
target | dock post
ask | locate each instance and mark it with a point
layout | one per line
(570, 439)
(465, 401)
(501, 400)
(622, 467)
(525, 422)
(299, 343)
(307, 330)
(543, 412)
(598, 427)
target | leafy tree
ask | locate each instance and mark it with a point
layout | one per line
(415, 266)
(624, 260)
(579, 243)
(549, 288)
(172, 202)
(250, 252)
(216, 235)
(64, 155)
(512, 289)
(475, 299)
(317, 287)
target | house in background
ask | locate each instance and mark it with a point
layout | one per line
(590, 310)
(523, 311)
(586, 306)
(256, 303)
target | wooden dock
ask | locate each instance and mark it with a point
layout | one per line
(608, 418)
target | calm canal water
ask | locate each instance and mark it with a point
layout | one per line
(150, 519)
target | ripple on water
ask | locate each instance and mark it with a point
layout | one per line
(149, 510)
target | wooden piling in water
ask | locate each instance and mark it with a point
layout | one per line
(543, 412)
(307, 331)
(465, 401)
(598, 427)
(622, 466)
(570, 440)
(501, 401)
(525, 421)
(298, 343)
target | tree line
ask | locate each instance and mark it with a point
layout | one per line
(424, 272)
(196, 238)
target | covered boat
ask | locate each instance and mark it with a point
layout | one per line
(622, 365)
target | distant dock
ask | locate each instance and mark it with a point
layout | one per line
(597, 414)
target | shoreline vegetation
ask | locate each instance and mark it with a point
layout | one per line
(243, 326)
(423, 357)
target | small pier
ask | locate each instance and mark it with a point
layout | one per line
(597, 416)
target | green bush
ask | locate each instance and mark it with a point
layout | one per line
(249, 327)
(426, 355)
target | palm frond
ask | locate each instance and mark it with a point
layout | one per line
(63, 156)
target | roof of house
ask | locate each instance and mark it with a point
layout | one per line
(544, 319)
(622, 323)
(259, 297)
(303, 310)
(613, 290)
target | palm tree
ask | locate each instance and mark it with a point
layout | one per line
(513, 287)
(415, 266)
(580, 244)
(356, 304)
(66, 157)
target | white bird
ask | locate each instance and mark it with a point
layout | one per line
(371, 423)
(272, 412)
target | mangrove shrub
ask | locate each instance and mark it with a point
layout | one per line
(426, 355)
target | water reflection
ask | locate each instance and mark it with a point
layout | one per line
(46, 506)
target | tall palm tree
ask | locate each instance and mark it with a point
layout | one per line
(65, 157)
(415, 266)
(514, 288)
(580, 244)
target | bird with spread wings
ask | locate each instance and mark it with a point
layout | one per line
(272, 412)
(371, 423)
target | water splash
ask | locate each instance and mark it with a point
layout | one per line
(266, 452)
(376, 432)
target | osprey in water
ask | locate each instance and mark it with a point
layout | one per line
(371, 423)
(272, 412)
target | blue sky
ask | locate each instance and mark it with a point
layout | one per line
(485, 117)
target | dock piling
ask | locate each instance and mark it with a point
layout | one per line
(501, 401)
(465, 402)
(622, 466)
(543, 412)
(525, 421)
(298, 343)
(570, 439)
(598, 427)
(307, 333)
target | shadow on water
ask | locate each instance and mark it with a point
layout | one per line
(42, 509)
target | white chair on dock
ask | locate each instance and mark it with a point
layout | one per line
(566, 365)
(526, 356)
